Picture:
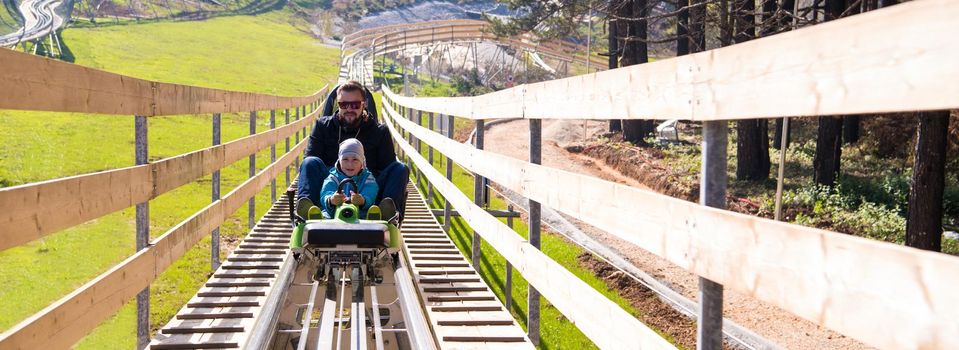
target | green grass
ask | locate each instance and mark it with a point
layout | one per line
(164, 10)
(10, 18)
(276, 59)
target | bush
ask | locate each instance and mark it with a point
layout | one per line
(846, 211)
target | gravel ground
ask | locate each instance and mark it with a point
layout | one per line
(774, 324)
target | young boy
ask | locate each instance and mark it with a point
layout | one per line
(350, 162)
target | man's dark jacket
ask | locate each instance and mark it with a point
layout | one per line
(375, 137)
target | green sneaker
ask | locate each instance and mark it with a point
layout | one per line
(315, 213)
(374, 213)
(303, 205)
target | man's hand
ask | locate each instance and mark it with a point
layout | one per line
(337, 199)
(357, 199)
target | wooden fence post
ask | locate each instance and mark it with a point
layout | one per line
(535, 157)
(141, 150)
(712, 193)
(252, 203)
(215, 184)
(287, 113)
(449, 175)
(296, 162)
(419, 143)
(478, 196)
(509, 267)
(272, 157)
(429, 191)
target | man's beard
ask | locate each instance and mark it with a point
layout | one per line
(357, 119)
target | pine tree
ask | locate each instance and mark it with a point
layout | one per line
(924, 217)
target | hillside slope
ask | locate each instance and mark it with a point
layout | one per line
(266, 53)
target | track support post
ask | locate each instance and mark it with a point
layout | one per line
(535, 157)
(478, 196)
(141, 150)
(712, 193)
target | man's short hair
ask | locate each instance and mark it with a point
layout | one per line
(350, 86)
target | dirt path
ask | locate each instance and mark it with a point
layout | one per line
(512, 139)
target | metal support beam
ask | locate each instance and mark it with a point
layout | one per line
(478, 196)
(449, 174)
(782, 165)
(712, 193)
(535, 157)
(141, 153)
(215, 189)
(252, 203)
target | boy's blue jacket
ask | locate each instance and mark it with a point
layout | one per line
(364, 180)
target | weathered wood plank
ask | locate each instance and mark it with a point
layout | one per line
(600, 319)
(38, 209)
(62, 323)
(835, 73)
(843, 281)
(31, 82)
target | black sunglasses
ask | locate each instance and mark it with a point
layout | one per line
(350, 104)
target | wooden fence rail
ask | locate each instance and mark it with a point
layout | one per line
(39, 209)
(398, 37)
(888, 60)
(63, 323)
(367, 37)
(608, 325)
(34, 83)
(35, 210)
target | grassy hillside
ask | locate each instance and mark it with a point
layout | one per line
(10, 18)
(266, 53)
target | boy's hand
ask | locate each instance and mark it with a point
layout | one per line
(337, 199)
(357, 199)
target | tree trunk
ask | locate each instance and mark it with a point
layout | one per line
(828, 151)
(828, 142)
(850, 129)
(682, 28)
(752, 145)
(614, 125)
(635, 51)
(697, 27)
(924, 222)
(752, 160)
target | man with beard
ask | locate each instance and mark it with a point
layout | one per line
(352, 120)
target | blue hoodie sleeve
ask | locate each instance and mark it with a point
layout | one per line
(368, 189)
(329, 188)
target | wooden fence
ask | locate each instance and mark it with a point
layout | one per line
(882, 294)
(35, 210)
(387, 39)
(393, 37)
